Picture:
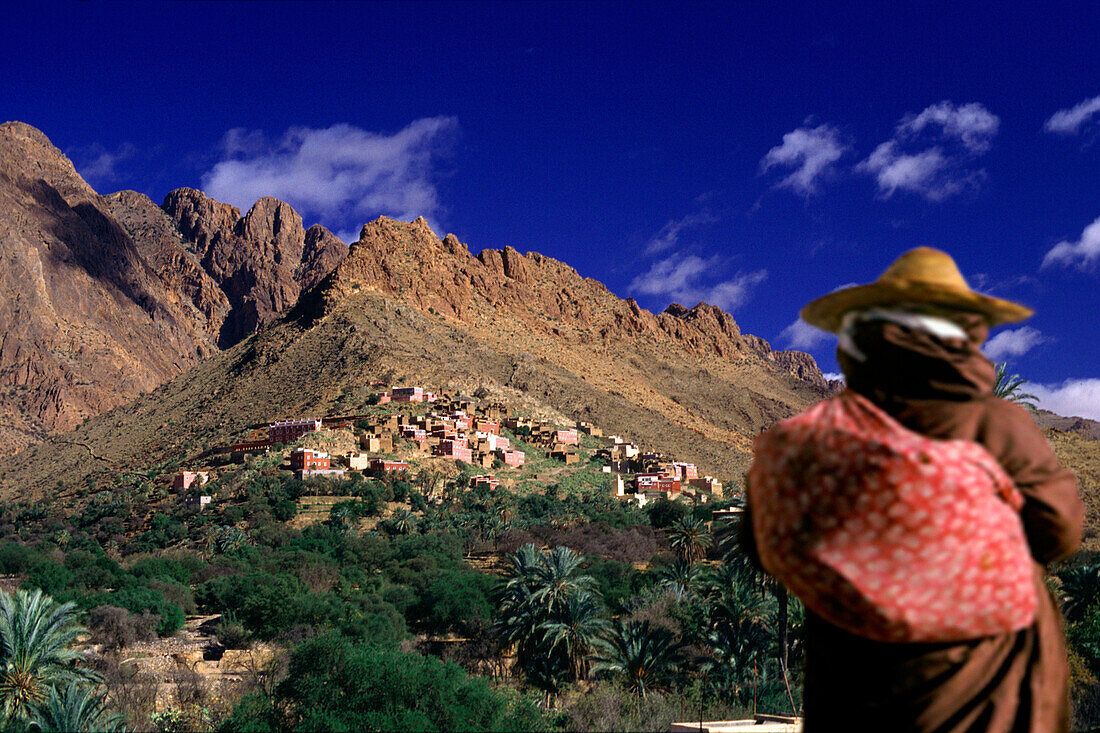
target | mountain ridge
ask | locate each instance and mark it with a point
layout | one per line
(104, 297)
(407, 307)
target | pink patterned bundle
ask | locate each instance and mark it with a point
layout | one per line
(886, 533)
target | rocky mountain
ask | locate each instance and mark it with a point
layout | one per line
(407, 307)
(262, 261)
(105, 297)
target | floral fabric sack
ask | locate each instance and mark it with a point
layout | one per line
(886, 533)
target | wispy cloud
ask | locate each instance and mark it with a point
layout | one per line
(986, 283)
(804, 337)
(343, 174)
(668, 235)
(811, 152)
(99, 166)
(1072, 398)
(1083, 253)
(971, 124)
(1013, 342)
(931, 152)
(687, 279)
(1070, 121)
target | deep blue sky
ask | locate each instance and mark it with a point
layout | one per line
(630, 140)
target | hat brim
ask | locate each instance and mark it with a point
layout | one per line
(827, 311)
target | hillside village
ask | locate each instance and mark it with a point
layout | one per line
(458, 430)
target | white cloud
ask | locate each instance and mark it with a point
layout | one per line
(1070, 121)
(931, 151)
(99, 166)
(834, 377)
(682, 278)
(811, 151)
(804, 337)
(669, 234)
(1072, 398)
(972, 124)
(926, 173)
(344, 174)
(1083, 253)
(1013, 342)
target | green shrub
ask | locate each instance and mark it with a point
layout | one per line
(333, 684)
(52, 577)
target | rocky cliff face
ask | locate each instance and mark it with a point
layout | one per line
(89, 321)
(260, 261)
(105, 297)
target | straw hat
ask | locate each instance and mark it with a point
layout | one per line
(920, 276)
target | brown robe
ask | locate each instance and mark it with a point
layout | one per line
(1010, 682)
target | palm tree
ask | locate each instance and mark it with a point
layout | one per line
(1008, 388)
(577, 632)
(557, 579)
(743, 567)
(551, 612)
(1080, 590)
(690, 538)
(36, 655)
(644, 657)
(403, 521)
(230, 538)
(683, 577)
(78, 708)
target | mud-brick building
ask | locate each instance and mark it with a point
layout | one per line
(287, 431)
(707, 484)
(563, 454)
(656, 482)
(380, 466)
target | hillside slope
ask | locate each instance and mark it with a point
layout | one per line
(407, 307)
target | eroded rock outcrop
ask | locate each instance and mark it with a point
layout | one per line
(104, 297)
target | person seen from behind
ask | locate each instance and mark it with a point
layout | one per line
(914, 515)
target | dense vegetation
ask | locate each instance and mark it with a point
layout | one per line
(559, 608)
(426, 587)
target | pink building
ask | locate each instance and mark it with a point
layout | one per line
(512, 458)
(287, 431)
(487, 481)
(689, 472)
(408, 394)
(487, 426)
(568, 437)
(682, 471)
(454, 449)
(184, 479)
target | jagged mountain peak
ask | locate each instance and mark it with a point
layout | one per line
(105, 297)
